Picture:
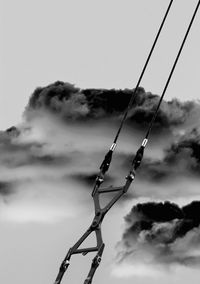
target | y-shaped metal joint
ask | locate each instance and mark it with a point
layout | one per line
(100, 214)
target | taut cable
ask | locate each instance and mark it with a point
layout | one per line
(120, 191)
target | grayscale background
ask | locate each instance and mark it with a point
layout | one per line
(44, 204)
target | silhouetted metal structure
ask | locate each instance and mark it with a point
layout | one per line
(100, 213)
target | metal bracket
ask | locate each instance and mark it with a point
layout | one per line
(98, 218)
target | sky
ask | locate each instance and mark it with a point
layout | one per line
(45, 170)
(93, 44)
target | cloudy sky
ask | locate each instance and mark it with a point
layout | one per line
(92, 44)
(47, 163)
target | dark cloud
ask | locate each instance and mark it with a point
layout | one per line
(170, 113)
(43, 160)
(70, 102)
(181, 158)
(5, 188)
(72, 152)
(188, 144)
(60, 98)
(13, 131)
(89, 178)
(170, 233)
(49, 160)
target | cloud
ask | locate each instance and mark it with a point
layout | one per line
(170, 113)
(138, 270)
(161, 234)
(17, 153)
(89, 179)
(66, 132)
(43, 205)
(181, 158)
(49, 162)
(29, 212)
(69, 102)
(34, 163)
(60, 98)
(5, 188)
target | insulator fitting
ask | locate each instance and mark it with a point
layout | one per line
(99, 180)
(138, 157)
(144, 142)
(107, 160)
(65, 264)
(131, 176)
(112, 148)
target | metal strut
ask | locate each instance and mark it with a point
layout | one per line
(99, 216)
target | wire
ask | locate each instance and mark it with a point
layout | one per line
(171, 73)
(101, 212)
(108, 157)
(142, 73)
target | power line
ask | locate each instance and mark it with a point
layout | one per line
(97, 191)
(142, 73)
(108, 157)
(172, 71)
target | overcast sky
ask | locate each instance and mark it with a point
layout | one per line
(93, 44)
(90, 43)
